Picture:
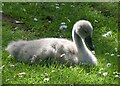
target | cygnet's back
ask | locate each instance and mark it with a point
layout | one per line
(30, 51)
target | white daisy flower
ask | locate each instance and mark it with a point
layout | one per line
(108, 64)
(63, 27)
(112, 55)
(105, 74)
(46, 79)
(35, 19)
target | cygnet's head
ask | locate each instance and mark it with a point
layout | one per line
(84, 29)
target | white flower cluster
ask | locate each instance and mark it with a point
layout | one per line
(107, 34)
(63, 26)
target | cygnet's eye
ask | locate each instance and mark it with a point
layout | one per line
(85, 31)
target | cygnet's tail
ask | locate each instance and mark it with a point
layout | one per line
(15, 47)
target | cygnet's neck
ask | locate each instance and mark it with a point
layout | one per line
(78, 42)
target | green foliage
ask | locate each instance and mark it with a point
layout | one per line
(45, 19)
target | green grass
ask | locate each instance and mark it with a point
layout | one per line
(0, 53)
(102, 19)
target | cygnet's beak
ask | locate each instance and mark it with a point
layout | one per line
(89, 43)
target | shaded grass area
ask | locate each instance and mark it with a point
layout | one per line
(45, 19)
